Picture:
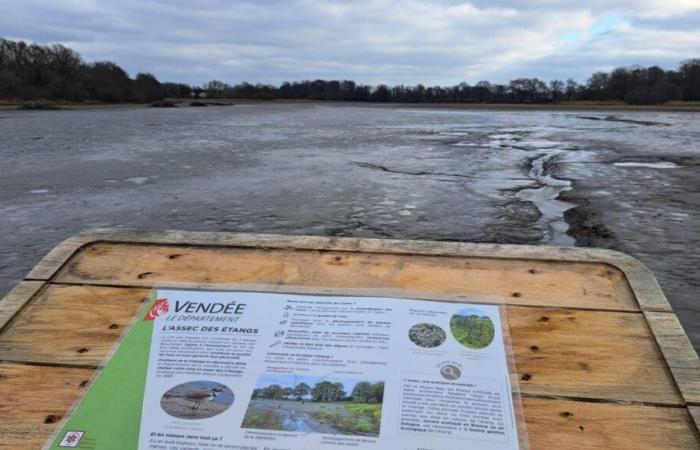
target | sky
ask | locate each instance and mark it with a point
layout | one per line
(370, 41)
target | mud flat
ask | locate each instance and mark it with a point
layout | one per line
(652, 215)
(628, 180)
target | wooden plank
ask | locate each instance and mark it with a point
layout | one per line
(35, 398)
(510, 281)
(558, 352)
(589, 354)
(678, 352)
(641, 280)
(15, 300)
(695, 416)
(71, 325)
(561, 424)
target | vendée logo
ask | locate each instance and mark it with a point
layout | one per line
(159, 308)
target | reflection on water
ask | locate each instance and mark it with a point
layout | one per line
(537, 177)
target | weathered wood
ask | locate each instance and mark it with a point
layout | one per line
(642, 282)
(29, 416)
(589, 354)
(695, 416)
(557, 424)
(71, 325)
(595, 371)
(558, 352)
(510, 281)
(678, 352)
(15, 300)
(33, 399)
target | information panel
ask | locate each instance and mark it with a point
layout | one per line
(253, 370)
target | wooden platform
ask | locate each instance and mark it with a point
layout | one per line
(602, 360)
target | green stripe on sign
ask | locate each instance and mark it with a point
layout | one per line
(110, 412)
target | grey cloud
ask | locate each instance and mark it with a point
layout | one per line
(436, 42)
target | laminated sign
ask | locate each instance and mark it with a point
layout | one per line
(253, 370)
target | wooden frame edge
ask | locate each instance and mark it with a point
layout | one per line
(680, 356)
(15, 300)
(695, 417)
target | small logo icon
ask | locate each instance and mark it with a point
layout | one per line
(159, 308)
(71, 439)
(450, 372)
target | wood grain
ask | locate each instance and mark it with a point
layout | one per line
(695, 416)
(511, 281)
(16, 299)
(71, 325)
(561, 424)
(589, 354)
(35, 398)
(679, 353)
(641, 280)
(558, 352)
(594, 371)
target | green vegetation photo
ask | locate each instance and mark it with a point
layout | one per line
(355, 418)
(472, 330)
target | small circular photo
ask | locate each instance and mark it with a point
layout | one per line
(472, 328)
(450, 372)
(197, 400)
(427, 335)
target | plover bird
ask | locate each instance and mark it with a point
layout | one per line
(203, 395)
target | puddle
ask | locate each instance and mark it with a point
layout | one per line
(652, 165)
(137, 180)
(544, 197)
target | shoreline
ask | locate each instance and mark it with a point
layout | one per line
(561, 106)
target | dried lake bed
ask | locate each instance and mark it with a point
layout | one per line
(626, 180)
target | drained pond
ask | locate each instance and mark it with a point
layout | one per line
(622, 180)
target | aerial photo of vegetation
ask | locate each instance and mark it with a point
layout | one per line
(316, 405)
(472, 328)
(427, 335)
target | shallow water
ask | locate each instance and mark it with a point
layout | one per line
(623, 180)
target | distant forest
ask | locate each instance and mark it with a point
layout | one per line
(57, 73)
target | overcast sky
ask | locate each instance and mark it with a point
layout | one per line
(431, 42)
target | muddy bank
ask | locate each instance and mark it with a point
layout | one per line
(649, 211)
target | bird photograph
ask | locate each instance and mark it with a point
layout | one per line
(197, 400)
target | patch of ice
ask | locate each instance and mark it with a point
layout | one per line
(136, 180)
(39, 191)
(652, 165)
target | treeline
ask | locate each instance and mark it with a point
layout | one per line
(55, 72)
(635, 85)
(324, 391)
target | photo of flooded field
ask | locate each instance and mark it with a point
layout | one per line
(307, 404)
(197, 400)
